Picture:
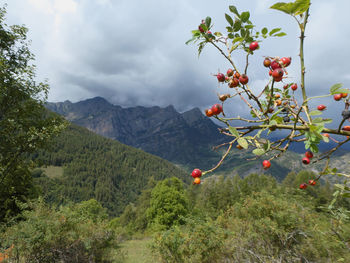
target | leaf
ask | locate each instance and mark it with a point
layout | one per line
(237, 25)
(245, 16)
(264, 31)
(341, 91)
(273, 31)
(233, 131)
(218, 34)
(229, 19)
(335, 87)
(243, 142)
(282, 34)
(315, 112)
(208, 21)
(258, 152)
(325, 138)
(233, 9)
(190, 40)
(237, 39)
(347, 195)
(314, 148)
(295, 8)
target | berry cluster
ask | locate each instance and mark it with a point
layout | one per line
(196, 174)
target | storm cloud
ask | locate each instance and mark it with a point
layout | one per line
(133, 52)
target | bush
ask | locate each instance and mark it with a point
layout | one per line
(76, 233)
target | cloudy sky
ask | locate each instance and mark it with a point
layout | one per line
(134, 52)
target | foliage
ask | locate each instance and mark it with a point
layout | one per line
(96, 167)
(25, 125)
(75, 233)
(258, 223)
(168, 204)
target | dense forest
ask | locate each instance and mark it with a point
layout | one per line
(96, 167)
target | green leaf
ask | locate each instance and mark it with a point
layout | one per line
(295, 8)
(243, 142)
(314, 148)
(346, 195)
(264, 31)
(282, 34)
(237, 39)
(273, 31)
(218, 34)
(315, 112)
(233, 131)
(259, 151)
(245, 16)
(237, 25)
(208, 21)
(190, 40)
(325, 139)
(335, 87)
(249, 26)
(229, 19)
(233, 9)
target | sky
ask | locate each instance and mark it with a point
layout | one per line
(134, 53)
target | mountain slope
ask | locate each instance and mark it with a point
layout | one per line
(100, 168)
(180, 138)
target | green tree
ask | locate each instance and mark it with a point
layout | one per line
(25, 125)
(168, 204)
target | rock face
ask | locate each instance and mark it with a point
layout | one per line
(177, 137)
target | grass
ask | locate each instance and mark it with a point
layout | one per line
(138, 251)
(53, 171)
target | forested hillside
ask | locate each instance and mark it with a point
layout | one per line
(96, 167)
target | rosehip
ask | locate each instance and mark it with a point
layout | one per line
(201, 29)
(270, 72)
(277, 96)
(254, 45)
(321, 107)
(294, 86)
(286, 61)
(286, 86)
(209, 112)
(277, 73)
(312, 182)
(337, 97)
(220, 77)
(229, 72)
(278, 102)
(233, 83)
(243, 79)
(346, 128)
(237, 75)
(223, 97)
(309, 154)
(303, 186)
(197, 180)
(326, 135)
(344, 95)
(306, 160)
(217, 109)
(196, 173)
(266, 164)
(275, 64)
(267, 62)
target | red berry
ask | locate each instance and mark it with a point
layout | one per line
(267, 62)
(227, 78)
(220, 77)
(346, 128)
(266, 164)
(344, 95)
(209, 112)
(286, 86)
(306, 160)
(303, 186)
(197, 180)
(243, 79)
(286, 61)
(200, 29)
(275, 64)
(321, 107)
(254, 45)
(277, 73)
(196, 173)
(217, 109)
(312, 182)
(294, 86)
(230, 72)
(309, 154)
(270, 72)
(233, 83)
(337, 97)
